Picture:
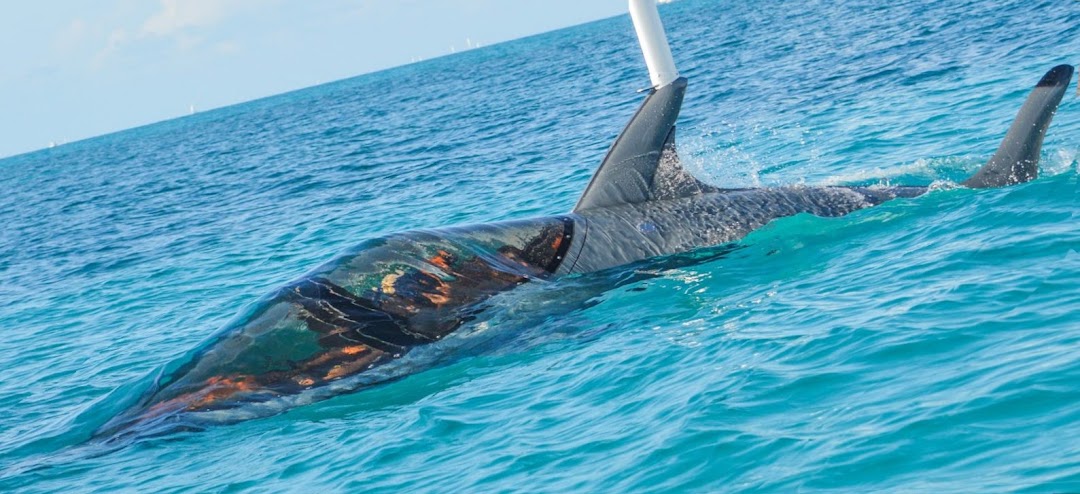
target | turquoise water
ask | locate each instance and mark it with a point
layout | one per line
(923, 345)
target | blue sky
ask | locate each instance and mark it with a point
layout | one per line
(79, 68)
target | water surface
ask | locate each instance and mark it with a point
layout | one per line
(925, 345)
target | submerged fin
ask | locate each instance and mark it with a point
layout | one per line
(1017, 159)
(642, 164)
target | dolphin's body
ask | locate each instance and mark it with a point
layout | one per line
(347, 323)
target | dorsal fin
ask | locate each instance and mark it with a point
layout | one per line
(642, 165)
(671, 180)
(1017, 159)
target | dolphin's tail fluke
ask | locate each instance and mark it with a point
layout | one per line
(1017, 159)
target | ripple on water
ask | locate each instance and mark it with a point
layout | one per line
(924, 345)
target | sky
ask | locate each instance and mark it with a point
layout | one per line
(74, 69)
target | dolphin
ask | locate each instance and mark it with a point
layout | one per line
(351, 322)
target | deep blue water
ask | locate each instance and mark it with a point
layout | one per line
(924, 345)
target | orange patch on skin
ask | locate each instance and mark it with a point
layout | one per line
(336, 372)
(219, 388)
(165, 407)
(352, 366)
(387, 284)
(437, 299)
(555, 245)
(441, 295)
(440, 260)
(321, 359)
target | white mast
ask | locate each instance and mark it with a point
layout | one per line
(654, 43)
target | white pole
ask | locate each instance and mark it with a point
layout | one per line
(654, 43)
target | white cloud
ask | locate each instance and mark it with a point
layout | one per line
(228, 48)
(186, 24)
(114, 41)
(177, 16)
(71, 38)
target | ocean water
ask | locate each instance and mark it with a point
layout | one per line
(926, 345)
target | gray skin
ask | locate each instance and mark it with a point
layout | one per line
(347, 324)
(620, 235)
(642, 204)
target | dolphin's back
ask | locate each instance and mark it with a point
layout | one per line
(621, 235)
(642, 203)
(367, 308)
